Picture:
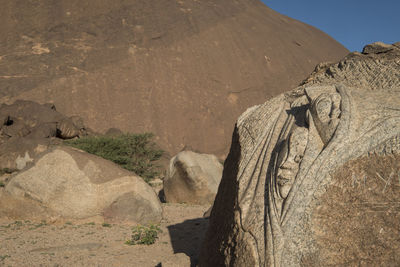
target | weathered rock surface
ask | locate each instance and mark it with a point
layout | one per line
(27, 129)
(71, 184)
(312, 178)
(376, 48)
(356, 221)
(378, 70)
(176, 260)
(192, 178)
(183, 70)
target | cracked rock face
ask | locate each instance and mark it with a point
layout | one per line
(312, 177)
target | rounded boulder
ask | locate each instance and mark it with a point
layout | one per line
(192, 178)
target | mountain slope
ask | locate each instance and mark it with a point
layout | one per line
(182, 69)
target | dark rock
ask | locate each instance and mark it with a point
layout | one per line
(66, 129)
(114, 132)
(29, 128)
(377, 48)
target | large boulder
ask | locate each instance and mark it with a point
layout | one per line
(72, 184)
(312, 178)
(184, 70)
(192, 178)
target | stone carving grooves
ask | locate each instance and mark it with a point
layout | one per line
(282, 160)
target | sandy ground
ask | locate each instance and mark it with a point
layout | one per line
(25, 243)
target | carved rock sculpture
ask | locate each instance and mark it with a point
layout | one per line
(312, 178)
(192, 178)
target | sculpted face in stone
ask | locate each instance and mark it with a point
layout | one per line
(311, 179)
(325, 110)
(289, 159)
(315, 133)
(290, 148)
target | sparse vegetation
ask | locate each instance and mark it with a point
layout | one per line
(3, 257)
(106, 225)
(134, 152)
(36, 226)
(5, 170)
(144, 235)
(16, 225)
(2, 184)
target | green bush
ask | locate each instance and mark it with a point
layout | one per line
(5, 170)
(144, 235)
(3, 257)
(134, 152)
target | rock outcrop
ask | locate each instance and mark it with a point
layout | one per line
(192, 178)
(67, 183)
(378, 70)
(312, 178)
(183, 70)
(27, 129)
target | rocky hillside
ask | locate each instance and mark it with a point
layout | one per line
(182, 69)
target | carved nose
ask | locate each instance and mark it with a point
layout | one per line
(289, 165)
(285, 174)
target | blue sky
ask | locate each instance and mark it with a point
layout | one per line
(354, 23)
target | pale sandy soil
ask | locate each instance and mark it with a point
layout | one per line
(24, 243)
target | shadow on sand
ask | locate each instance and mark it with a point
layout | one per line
(187, 237)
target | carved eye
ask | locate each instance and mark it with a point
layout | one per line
(298, 158)
(323, 109)
(283, 153)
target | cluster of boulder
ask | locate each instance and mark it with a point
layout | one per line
(47, 180)
(28, 128)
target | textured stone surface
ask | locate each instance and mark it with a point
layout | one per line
(72, 184)
(66, 129)
(176, 260)
(192, 178)
(370, 70)
(312, 175)
(356, 221)
(28, 129)
(377, 48)
(184, 70)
